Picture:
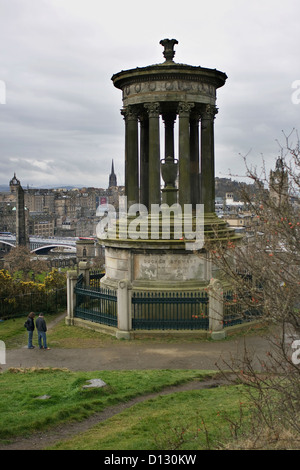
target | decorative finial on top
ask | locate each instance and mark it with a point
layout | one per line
(168, 45)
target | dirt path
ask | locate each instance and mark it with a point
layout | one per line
(204, 355)
(40, 441)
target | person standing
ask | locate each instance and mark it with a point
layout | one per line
(30, 328)
(41, 327)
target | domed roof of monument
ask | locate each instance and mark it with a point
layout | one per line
(168, 70)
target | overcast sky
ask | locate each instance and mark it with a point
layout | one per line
(61, 122)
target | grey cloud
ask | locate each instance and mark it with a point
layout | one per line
(62, 121)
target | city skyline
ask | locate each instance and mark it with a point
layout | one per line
(60, 122)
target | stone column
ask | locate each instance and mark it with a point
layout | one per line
(2, 352)
(169, 119)
(144, 160)
(216, 309)
(208, 158)
(184, 110)
(154, 153)
(71, 297)
(124, 309)
(194, 149)
(131, 155)
(84, 269)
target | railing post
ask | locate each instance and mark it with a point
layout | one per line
(71, 296)
(84, 269)
(216, 310)
(124, 309)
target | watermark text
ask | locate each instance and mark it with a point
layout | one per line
(2, 92)
(296, 353)
(162, 222)
(296, 93)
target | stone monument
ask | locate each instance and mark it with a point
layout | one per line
(21, 232)
(160, 259)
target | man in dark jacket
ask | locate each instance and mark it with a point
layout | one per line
(30, 328)
(41, 329)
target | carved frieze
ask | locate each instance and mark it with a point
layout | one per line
(191, 86)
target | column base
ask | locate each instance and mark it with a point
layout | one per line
(123, 334)
(69, 321)
(218, 335)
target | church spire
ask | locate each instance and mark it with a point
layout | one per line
(112, 176)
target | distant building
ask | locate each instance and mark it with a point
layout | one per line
(59, 212)
(14, 184)
(41, 224)
(279, 183)
(112, 177)
(240, 221)
(21, 232)
(230, 202)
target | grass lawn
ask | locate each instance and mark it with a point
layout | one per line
(194, 420)
(13, 333)
(23, 413)
(185, 420)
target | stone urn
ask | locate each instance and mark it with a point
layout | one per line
(169, 170)
(168, 45)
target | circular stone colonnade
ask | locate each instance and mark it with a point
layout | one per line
(179, 93)
(172, 91)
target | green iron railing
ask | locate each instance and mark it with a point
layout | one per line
(95, 278)
(95, 303)
(170, 310)
(237, 311)
(157, 310)
(50, 301)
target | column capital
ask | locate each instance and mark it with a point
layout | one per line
(208, 111)
(153, 109)
(184, 109)
(130, 112)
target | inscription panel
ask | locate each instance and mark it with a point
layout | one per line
(169, 267)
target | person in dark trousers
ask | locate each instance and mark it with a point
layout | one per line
(41, 329)
(29, 324)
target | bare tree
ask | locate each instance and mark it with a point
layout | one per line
(20, 259)
(263, 270)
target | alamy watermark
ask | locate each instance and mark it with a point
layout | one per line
(296, 353)
(294, 344)
(296, 94)
(163, 222)
(2, 92)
